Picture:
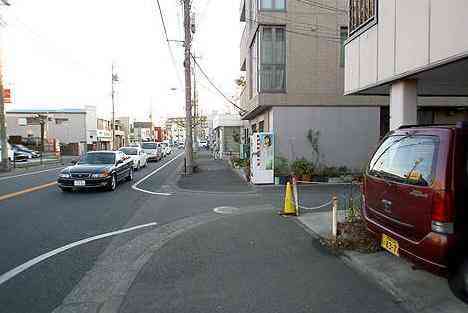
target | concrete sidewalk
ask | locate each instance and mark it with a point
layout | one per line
(417, 290)
(213, 176)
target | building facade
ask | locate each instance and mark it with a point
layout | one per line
(293, 61)
(143, 131)
(175, 128)
(227, 134)
(414, 51)
(68, 126)
(125, 124)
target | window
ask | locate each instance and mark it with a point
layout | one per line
(253, 69)
(272, 73)
(60, 121)
(406, 159)
(343, 37)
(276, 5)
(261, 127)
(254, 128)
(361, 12)
(22, 121)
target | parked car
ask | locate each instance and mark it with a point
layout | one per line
(97, 169)
(203, 144)
(415, 199)
(15, 155)
(153, 150)
(181, 145)
(31, 153)
(167, 150)
(138, 156)
(20, 156)
(135, 145)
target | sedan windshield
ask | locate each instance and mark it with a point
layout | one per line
(129, 151)
(97, 158)
(149, 145)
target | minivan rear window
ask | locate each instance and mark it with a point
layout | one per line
(406, 159)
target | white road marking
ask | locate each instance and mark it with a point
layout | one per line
(135, 185)
(31, 173)
(23, 267)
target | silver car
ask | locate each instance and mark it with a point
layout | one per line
(153, 150)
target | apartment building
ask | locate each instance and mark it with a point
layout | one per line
(175, 128)
(294, 63)
(414, 51)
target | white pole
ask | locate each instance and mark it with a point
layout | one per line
(334, 217)
(296, 198)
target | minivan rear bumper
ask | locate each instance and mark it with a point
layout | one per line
(431, 252)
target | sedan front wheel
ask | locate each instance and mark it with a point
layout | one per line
(112, 184)
(130, 173)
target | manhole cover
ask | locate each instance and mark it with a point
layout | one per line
(226, 210)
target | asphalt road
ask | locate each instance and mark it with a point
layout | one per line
(195, 260)
(37, 222)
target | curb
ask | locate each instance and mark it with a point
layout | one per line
(414, 300)
(350, 260)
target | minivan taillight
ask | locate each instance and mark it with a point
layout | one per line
(443, 212)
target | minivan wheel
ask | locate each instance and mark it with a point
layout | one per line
(458, 281)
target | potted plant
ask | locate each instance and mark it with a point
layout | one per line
(298, 168)
(308, 172)
(281, 170)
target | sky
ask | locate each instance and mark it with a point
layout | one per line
(59, 54)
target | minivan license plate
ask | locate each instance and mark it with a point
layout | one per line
(80, 183)
(390, 244)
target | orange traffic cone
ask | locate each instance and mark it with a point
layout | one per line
(289, 207)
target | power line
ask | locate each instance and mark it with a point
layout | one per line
(215, 87)
(324, 6)
(174, 63)
(294, 21)
(299, 31)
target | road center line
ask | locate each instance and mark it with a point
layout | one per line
(30, 173)
(23, 267)
(135, 185)
(28, 190)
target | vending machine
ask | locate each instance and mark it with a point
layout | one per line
(262, 156)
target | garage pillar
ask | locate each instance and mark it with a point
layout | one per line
(403, 103)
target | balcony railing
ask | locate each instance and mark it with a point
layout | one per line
(361, 13)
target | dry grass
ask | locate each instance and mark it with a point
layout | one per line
(353, 235)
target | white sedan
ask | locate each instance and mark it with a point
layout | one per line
(138, 156)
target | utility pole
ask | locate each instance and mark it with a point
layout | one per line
(115, 78)
(5, 165)
(188, 90)
(196, 119)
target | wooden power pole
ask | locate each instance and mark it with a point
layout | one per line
(188, 89)
(5, 166)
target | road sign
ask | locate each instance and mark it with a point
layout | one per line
(6, 95)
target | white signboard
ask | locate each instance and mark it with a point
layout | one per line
(262, 156)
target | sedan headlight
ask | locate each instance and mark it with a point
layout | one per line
(64, 175)
(100, 175)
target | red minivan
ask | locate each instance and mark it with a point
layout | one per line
(415, 198)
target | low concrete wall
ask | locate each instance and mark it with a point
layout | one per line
(347, 134)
